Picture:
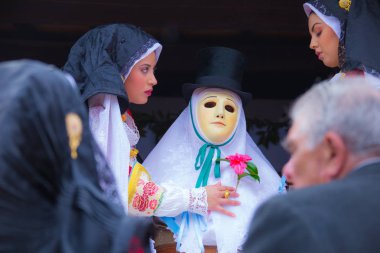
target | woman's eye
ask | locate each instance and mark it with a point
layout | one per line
(229, 108)
(210, 104)
(145, 70)
(318, 33)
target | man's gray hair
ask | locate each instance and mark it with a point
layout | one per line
(349, 107)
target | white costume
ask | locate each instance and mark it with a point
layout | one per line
(174, 158)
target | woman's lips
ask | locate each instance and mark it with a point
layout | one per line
(320, 56)
(148, 92)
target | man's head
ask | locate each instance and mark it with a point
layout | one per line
(334, 127)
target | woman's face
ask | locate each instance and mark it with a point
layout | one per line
(139, 84)
(324, 41)
(217, 115)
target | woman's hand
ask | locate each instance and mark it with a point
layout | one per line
(216, 198)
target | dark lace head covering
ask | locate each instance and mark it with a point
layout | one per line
(360, 31)
(104, 54)
(50, 196)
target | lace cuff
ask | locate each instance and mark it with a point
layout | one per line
(198, 201)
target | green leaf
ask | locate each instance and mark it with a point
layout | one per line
(222, 159)
(252, 169)
(256, 177)
(242, 175)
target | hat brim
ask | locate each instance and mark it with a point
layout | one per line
(188, 88)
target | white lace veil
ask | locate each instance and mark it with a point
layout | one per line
(174, 157)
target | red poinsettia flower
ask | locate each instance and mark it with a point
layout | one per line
(242, 166)
(239, 162)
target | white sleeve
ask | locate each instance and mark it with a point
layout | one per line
(176, 200)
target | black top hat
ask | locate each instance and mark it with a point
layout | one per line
(219, 67)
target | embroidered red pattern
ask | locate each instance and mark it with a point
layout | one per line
(150, 188)
(140, 202)
(153, 204)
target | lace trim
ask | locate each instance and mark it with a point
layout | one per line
(150, 42)
(342, 46)
(198, 201)
(321, 7)
(131, 130)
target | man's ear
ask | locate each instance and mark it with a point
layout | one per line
(335, 154)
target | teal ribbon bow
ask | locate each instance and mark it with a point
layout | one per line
(204, 158)
(205, 162)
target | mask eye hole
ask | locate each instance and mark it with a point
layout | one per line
(210, 104)
(229, 108)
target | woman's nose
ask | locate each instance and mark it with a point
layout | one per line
(313, 43)
(153, 80)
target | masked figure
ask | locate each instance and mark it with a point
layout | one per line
(212, 126)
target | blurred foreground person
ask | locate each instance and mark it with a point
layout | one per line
(57, 193)
(334, 144)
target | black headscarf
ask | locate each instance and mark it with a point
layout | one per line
(50, 196)
(360, 32)
(99, 58)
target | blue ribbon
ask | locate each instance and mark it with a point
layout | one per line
(282, 187)
(200, 226)
(182, 230)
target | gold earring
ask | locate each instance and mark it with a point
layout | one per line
(74, 130)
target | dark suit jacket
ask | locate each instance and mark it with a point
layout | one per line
(341, 217)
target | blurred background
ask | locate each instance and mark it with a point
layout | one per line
(272, 34)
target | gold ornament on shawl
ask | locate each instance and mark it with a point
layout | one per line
(74, 132)
(345, 4)
(133, 153)
(124, 117)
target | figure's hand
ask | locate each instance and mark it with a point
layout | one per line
(216, 199)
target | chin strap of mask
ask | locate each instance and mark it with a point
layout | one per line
(205, 157)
